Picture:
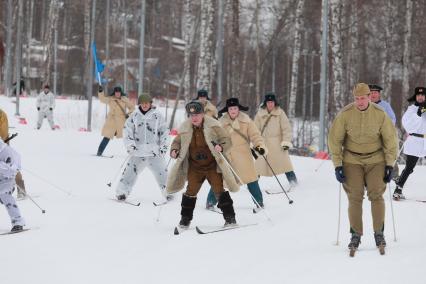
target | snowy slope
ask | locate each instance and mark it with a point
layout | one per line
(85, 237)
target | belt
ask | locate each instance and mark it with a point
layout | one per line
(362, 154)
(417, 135)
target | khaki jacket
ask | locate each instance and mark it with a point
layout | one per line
(240, 155)
(213, 131)
(114, 123)
(210, 110)
(4, 125)
(362, 137)
(277, 133)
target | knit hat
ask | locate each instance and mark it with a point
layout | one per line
(194, 107)
(361, 89)
(144, 98)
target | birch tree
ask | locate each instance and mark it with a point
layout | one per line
(406, 55)
(48, 40)
(188, 30)
(295, 59)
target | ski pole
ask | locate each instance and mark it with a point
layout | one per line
(119, 171)
(390, 196)
(320, 165)
(10, 137)
(338, 215)
(241, 182)
(269, 165)
(32, 200)
(48, 182)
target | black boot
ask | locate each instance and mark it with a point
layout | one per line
(102, 146)
(188, 205)
(225, 204)
(380, 239)
(17, 228)
(355, 241)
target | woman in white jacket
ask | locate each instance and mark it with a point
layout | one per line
(414, 122)
(10, 164)
(146, 139)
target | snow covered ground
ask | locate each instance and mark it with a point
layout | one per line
(85, 237)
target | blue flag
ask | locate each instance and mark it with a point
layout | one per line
(99, 67)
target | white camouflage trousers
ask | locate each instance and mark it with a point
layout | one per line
(135, 165)
(45, 114)
(9, 202)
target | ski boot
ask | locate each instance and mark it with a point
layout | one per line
(354, 243)
(380, 242)
(121, 197)
(230, 221)
(17, 228)
(184, 222)
(397, 194)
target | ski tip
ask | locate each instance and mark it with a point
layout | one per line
(199, 230)
(176, 231)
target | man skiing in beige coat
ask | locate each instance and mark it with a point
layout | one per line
(363, 145)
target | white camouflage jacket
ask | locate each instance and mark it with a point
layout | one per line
(10, 164)
(45, 101)
(148, 133)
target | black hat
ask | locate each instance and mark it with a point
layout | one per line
(203, 93)
(233, 102)
(118, 89)
(374, 87)
(269, 97)
(417, 91)
(46, 86)
(194, 107)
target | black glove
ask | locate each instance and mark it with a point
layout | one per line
(260, 150)
(421, 110)
(50, 108)
(340, 176)
(100, 89)
(285, 148)
(38, 108)
(388, 174)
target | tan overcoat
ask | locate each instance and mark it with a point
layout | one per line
(277, 134)
(210, 110)
(213, 131)
(114, 123)
(4, 125)
(240, 155)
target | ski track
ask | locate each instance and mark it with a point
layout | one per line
(86, 238)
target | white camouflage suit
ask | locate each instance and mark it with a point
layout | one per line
(45, 106)
(10, 164)
(146, 139)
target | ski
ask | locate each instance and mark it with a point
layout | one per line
(214, 209)
(215, 229)
(105, 156)
(178, 230)
(381, 249)
(17, 232)
(257, 210)
(133, 203)
(272, 192)
(161, 203)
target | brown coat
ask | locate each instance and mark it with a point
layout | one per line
(213, 131)
(210, 110)
(240, 155)
(277, 133)
(4, 125)
(115, 120)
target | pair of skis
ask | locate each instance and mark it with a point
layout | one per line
(211, 229)
(380, 247)
(137, 203)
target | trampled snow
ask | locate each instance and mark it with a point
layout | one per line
(85, 237)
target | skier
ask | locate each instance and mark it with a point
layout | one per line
(209, 108)
(244, 133)
(275, 128)
(45, 106)
(146, 139)
(117, 115)
(4, 134)
(10, 164)
(198, 152)
(375, 98)
(363, 145)
(414, 122)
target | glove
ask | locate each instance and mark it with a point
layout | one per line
(38, 108)
(388, 174)
(50, 108)
(340, 176)
(286, 145)
(421, 110)
(260, 150)
(163, 151)
(131, 149)
(100, 89)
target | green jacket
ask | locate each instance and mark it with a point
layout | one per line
(362, 137)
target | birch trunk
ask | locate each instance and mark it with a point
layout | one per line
(258, 66)
(387, 60)
(236, 51)
(53, 18)
(188, 31)
(336, 49)
(406, 54)
(295, 60)
(206, 43)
